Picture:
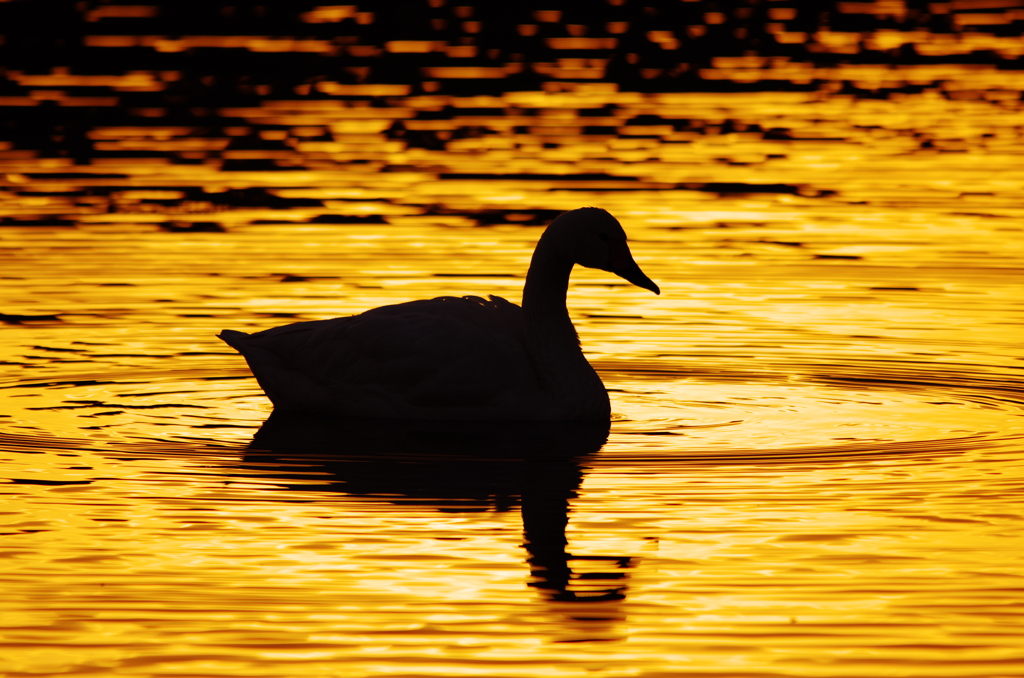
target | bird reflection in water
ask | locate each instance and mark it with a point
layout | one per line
(458, 466)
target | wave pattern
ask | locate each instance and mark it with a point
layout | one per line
(817, 451)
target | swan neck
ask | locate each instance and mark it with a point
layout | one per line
(554, 347)
(547, 283)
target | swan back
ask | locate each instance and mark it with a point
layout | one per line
(443, 358)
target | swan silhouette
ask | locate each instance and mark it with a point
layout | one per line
(457, 358)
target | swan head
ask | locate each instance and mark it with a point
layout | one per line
(592, 237)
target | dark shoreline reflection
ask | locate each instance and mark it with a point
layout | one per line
(456, 467)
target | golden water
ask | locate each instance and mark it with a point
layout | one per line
(817, 454)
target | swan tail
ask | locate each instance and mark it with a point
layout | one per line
(287, 388)
(234, 339)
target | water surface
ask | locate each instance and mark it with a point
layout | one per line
(817, 450)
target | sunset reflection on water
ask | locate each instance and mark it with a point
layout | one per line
(815, 457)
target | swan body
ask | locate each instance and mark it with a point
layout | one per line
(454, 358)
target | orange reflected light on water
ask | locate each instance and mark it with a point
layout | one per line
(815, 459)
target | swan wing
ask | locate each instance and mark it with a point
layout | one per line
(461, 357)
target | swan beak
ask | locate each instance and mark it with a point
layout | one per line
(620, 262)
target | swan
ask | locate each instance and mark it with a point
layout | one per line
(454, 358)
